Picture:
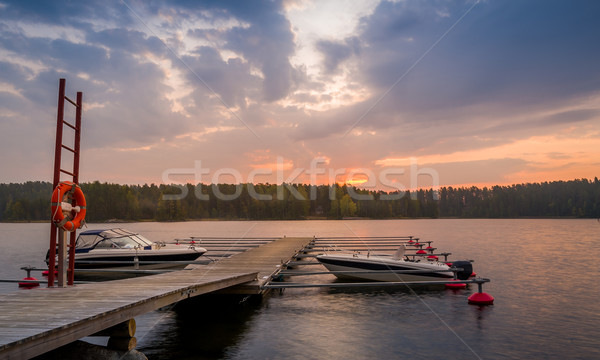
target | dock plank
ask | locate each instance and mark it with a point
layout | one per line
(36, 321)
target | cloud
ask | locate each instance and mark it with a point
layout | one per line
(261, 35)
(336, 52)
(167, 83)
(495, 54)
(230, 79)
(572, 116)
(493, 64)
(58, 16)
(132, 41)
(268, 44)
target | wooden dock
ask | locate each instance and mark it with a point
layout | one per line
(265, 262)
(36, 321)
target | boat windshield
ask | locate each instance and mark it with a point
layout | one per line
(124, 242)
(116, 238)
(86, 241)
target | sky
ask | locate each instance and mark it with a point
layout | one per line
(389, 95)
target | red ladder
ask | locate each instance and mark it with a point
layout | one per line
(57, 172)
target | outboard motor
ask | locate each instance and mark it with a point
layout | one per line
(467, 269)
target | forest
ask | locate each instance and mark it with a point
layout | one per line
(579, 198)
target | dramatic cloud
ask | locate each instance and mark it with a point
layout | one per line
(335, 53)
(479, 91)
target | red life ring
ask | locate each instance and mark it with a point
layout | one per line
(69, 220)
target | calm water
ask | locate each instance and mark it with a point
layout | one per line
(544, 278)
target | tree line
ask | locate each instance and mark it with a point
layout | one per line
(30, 201)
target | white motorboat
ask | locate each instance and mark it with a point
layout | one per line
(393, 268)
(118, 249)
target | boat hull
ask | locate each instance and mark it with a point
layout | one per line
(382, 269)
(116, 264)
(163, 259)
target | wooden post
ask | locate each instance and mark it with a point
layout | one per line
(121, 343)
(122, 336)
(62, 257)
(125, 329)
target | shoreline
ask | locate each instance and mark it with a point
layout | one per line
(115, 221)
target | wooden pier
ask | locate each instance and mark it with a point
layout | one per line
(36, 321)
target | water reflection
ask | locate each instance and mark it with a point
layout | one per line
(205, 326)
(544, 279)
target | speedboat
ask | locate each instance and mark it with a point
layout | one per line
(395, 268)
(111, 250)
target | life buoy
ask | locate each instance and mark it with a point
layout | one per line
(68, 206)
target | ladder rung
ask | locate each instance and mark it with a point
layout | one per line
(68, 148)
(67, 172)
(71, 101)
(69, 125)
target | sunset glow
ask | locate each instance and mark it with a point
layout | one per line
(411, 93)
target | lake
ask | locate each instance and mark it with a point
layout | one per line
(544, 278)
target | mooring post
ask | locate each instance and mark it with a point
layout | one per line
(62, 258)
(480, 297)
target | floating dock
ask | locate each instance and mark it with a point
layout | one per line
(36, 321)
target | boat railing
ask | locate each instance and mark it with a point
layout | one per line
(335, 249)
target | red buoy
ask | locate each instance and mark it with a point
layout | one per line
(455, 286)
(421, 251)
(28, 285)
(449, 264)
(481, 298)
(473, 274)
(433, 258)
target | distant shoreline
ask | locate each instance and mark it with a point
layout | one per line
(313, 219)
(578, 198)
